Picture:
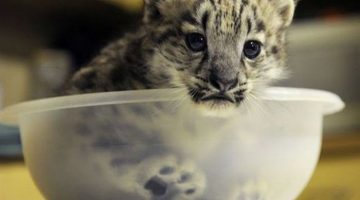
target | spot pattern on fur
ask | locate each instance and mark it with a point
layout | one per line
(157, 56)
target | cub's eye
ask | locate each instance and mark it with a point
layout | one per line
(252, 49)
(196, 41)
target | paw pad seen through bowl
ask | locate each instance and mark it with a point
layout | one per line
(156, 186)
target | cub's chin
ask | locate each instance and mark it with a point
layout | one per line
(216, 107)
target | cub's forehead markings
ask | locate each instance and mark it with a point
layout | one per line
(190, 23)
(249, 25)
(260, 26)
(189, 18)
(205, 19)
(245, 2)
(229, 15)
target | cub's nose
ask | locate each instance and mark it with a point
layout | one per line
(223, 84)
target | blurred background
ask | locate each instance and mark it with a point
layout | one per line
(43, 41)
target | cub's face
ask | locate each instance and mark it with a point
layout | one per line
(221, 51)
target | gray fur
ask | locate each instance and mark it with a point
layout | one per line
(156, 56)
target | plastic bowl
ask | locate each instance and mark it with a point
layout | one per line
(150, 145)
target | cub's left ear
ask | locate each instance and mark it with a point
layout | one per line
(285, 9)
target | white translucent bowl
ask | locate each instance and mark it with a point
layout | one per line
(150, 145)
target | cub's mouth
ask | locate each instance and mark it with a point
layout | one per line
(216, 101)
(219, 97)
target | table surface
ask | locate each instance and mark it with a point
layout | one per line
(337, 176)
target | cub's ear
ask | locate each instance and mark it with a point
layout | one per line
(157, 10)
(151, 10)
(285, 9)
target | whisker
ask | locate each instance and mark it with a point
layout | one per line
(258, 104)
(180, 102)
(181, 96)
(246, 105)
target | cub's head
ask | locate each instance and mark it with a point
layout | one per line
(219, 50)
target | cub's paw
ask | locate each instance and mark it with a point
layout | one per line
(173, 180)
(252, 190)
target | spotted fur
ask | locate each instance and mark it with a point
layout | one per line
(156, 55)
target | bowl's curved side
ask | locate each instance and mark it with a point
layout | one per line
(331, 103)
(121, 151)
(11, 114)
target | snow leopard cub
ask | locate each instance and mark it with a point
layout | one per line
(219, 51)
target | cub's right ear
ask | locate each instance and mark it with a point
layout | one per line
(158, 10)
(151, 11)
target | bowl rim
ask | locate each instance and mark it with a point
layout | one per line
(331, 103)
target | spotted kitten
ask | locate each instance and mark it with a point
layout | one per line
(220, 51)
